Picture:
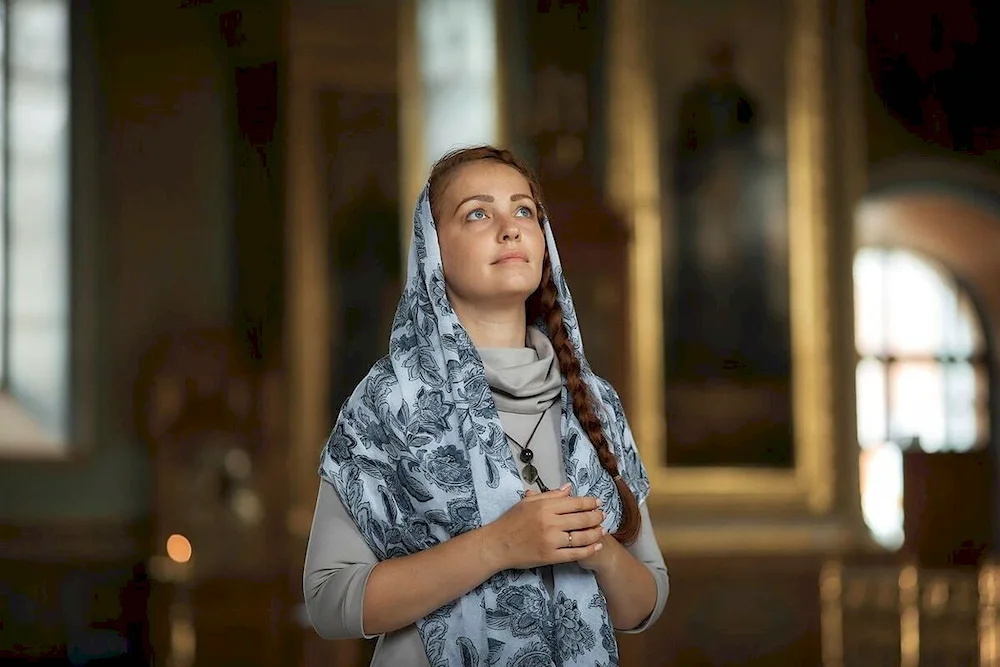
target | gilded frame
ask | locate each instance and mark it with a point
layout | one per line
(633, 185)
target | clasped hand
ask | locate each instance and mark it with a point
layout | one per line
(545, 529)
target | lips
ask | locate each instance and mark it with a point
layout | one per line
(511, 257)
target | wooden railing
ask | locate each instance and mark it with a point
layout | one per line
(905, 616)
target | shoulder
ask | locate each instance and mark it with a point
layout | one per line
(623, 442)
(359, 418)
(626, 449)
(603, 384)
(379, 382)
(381, 372)
(368, 400)
(607, 394)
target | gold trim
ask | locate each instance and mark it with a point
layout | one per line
(853, 169)
(831, 615)
(759, 538)
(334, 48)
(412, 172)
(633, 181)
(909, 616)
(989, 628)
(307, 342)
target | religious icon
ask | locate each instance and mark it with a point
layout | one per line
(725, 286)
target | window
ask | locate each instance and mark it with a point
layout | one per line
(922, 375)
(458, 73)
(34, 227)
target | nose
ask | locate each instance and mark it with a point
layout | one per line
(509, 231)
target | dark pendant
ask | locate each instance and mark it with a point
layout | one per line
(526, 455)
(530, 474)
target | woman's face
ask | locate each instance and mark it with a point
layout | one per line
(490, 236)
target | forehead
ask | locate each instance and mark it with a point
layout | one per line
(486, 177)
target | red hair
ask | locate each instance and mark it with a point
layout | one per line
(543, 305)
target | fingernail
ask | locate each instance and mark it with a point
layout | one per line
(604, 531)
(598, 546)
(564, 486)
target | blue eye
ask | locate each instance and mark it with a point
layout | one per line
(478, 214)
(524, 212)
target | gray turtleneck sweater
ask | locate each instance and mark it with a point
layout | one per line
(526, 386)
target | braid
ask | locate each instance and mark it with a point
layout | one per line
(544, 303)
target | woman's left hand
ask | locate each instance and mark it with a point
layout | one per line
(603, 558)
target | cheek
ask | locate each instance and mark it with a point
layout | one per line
(449, 260)
(457, 255)
(536, 237)
(470, 247)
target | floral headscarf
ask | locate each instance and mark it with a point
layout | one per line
(418, 455)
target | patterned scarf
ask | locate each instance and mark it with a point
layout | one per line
(418, 456)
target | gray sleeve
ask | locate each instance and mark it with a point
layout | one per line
(646, 550)
(338, 563)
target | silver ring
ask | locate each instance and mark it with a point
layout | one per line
(570, 536)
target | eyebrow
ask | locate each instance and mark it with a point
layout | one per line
(490, 199)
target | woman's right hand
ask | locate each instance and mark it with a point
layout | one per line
(537, 531)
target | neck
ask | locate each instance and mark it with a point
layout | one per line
(493, 328)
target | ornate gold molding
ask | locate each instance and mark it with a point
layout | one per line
(742, 537)
(332, 47)
(412, 170)
(633, 183)
(989, 616)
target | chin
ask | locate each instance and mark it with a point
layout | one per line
(511, 293)
(525, 284)
(517, 277)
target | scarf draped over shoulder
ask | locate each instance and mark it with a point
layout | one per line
(418, 456)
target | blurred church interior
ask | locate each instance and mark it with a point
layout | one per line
(780, 220)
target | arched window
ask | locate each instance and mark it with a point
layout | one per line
(922, 375)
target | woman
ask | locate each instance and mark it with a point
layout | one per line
(481, 494)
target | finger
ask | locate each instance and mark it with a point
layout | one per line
(574, 504)
(582, 538)
(581, 520)
(575, 553)
(561, 492)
